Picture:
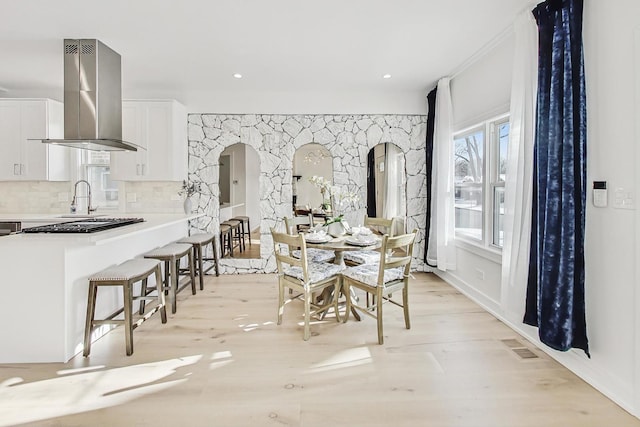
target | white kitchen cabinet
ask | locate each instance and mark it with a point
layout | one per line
(23, 122)
(160, 128)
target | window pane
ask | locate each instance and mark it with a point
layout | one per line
(503, 143)
(98, 157)
(104, 192)
(498, 216)
(469, 151)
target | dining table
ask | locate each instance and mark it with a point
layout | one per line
(339, 245)
(344, 243)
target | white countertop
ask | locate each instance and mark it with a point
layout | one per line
(151, 222)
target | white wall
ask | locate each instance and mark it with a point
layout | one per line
(613, 315)
(483, 90)
(611, 279)
(480, 92)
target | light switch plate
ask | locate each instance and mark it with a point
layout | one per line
(623, 198)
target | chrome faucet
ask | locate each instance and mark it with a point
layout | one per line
(88, 196)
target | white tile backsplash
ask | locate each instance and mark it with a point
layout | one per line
(34, 197)
(42, 197)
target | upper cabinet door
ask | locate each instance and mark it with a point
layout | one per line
(23, 123)
(128, 165)
(161, 128)
(11, 159)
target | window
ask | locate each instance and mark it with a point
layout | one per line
(94, 167)
(469, 173)
(480, 157)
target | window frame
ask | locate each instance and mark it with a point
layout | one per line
(490, 183)
(82, 173)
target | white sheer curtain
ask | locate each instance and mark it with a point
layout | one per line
(519, 177)
(392, 183)
(442, 209)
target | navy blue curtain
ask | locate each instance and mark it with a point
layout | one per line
(555, 289)
(431, 120)
(371, 184)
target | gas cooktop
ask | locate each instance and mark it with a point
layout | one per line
(90, 225)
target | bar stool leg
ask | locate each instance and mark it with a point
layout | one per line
(248, 231)
(161, 299)
(128, 317)
(143, 293)
(192, 273)
(167, 283)
(241, 236)
(91, 309)
(173, 283)
(198, 253)
(215, 256)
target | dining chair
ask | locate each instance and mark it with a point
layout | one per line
(293, 227)
(306, 277)
(389, 275)
(380, 225)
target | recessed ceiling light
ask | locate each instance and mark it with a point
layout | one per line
(386, 76)
(237, 75)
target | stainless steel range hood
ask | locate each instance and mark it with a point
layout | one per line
(92, 98)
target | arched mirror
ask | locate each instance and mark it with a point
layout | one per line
(239, 195)
(308, 161)
(386, 183)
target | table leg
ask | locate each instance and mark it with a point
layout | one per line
(339, 260)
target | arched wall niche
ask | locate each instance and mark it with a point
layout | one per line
(386, 194)
(276, 138)
(310, 160)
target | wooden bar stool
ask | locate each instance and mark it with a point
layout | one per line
(199, 242)
(236, 234)
(171, 254)
(245, 229)
(125, 275)
(226, 242)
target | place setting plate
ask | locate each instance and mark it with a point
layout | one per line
(359, 242)
(317, 238)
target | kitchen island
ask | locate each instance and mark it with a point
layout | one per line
(44, 283)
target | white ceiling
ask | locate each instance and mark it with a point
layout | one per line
(190, 49)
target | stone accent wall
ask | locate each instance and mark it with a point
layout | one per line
(276, 138)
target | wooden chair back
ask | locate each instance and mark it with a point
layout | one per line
(382, 225)
(297, 223)
(282, 245)
(389, 258)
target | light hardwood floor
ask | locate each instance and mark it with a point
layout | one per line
(222, 361)
(251, 251)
